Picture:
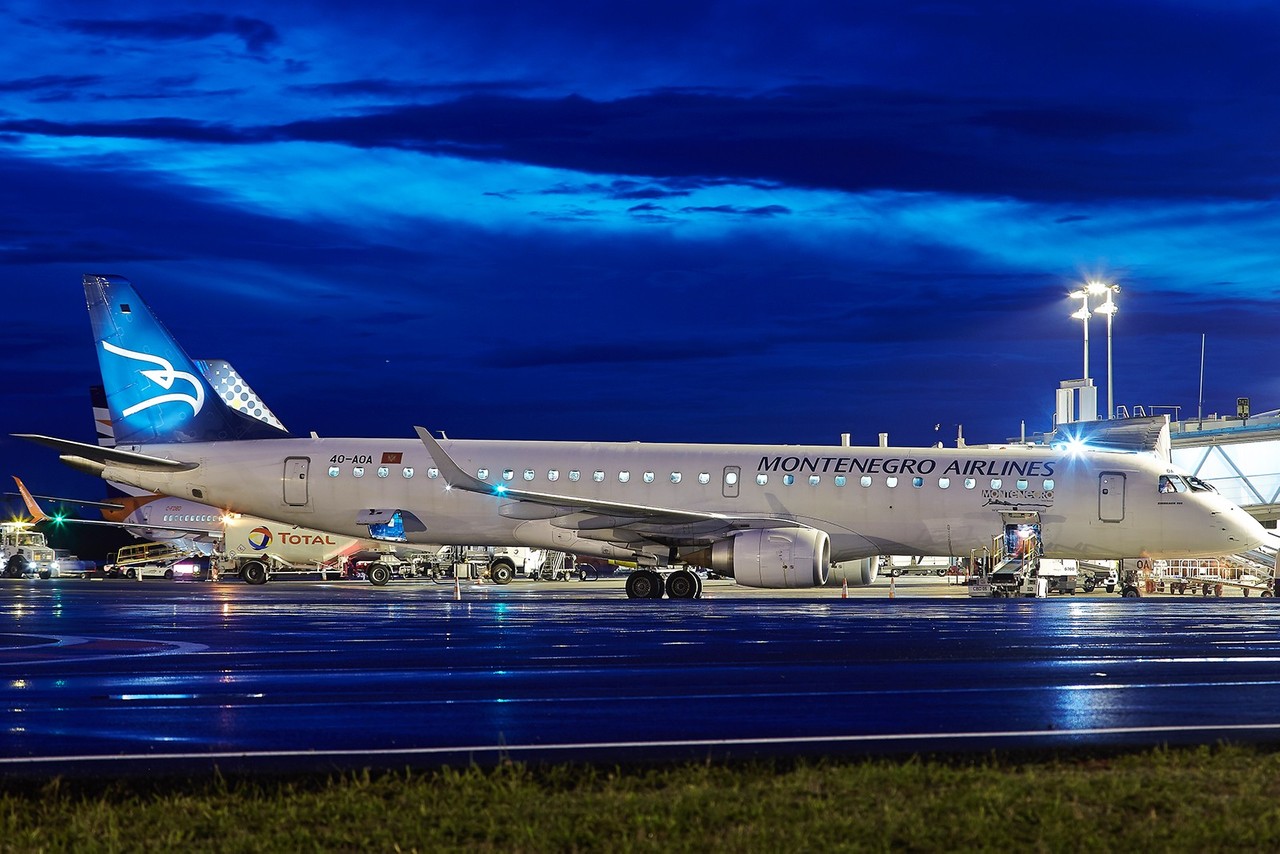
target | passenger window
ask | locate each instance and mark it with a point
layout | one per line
(917, 482)
(574, 474)
(482, 474)
(762, 479)
(944, 483)
(970, 483)
(731, 478)
(840, 480)
(554, 474)
(648, 477)
(1022, 484)
(1048, 484)
(675, 477)
(528, 474)
(407, 471)
(788, 479)
(433, 472)
(333, 471)
(358, 471)
(814, 479)
(598, 476)
(383, 471)
(507, 474)
(624, 476)
(866, 480)
(891, 482)
(704, 477)
(995, 482)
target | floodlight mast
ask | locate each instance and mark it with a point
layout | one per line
(1109, 309)
(1082, 314)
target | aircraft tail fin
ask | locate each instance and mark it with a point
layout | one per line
(155, 392)
(37, 514)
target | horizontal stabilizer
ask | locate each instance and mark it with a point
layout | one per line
(106, 456)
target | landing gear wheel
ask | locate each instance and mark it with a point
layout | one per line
(1131, 593)
(254, 572)
(502, 572)
(168, 575)
(644, 584)
(682, 584)
(378, 574)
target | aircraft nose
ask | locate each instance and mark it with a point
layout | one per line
(1244, 531)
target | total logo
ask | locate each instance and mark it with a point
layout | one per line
(259, 538)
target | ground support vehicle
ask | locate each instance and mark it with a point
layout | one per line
(155, 560)
(1094, 575)
(24, 553)
(895, 566)
(1211, 577)
(67, 565)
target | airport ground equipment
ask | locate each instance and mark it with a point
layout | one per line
(24, 552)
(1211, 576)
(896, 566)
(142, 560)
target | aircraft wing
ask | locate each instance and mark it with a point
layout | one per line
(658, 523)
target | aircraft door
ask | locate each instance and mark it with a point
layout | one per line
(732, 478)
(295, 480)
(1111, 496)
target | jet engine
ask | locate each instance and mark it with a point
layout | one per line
(857, 573)
(771, 557)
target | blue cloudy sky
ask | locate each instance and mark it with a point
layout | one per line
(702, 221)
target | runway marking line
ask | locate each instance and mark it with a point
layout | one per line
(46, 649)
(634, 745)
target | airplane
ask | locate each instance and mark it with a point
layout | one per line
(769, 516)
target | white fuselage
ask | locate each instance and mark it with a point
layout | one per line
(1090, 505)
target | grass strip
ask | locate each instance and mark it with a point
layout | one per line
(1167, 799)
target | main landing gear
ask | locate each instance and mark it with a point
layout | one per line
(649, 584)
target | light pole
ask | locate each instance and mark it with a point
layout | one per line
(1109, 309)
(1082, 314)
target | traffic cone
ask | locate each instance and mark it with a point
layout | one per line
(457, 585)
(844, 589)
(893, 585)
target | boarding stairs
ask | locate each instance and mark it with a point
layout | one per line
(1010, 572)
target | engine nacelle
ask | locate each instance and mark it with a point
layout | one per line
(857, 573)
(775, 557)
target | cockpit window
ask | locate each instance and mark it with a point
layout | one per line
(1171, 483)
(1198, 485)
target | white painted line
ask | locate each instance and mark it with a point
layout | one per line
(635, 745)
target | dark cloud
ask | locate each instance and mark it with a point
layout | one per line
(397, 89)
(848, 139)
(739, 210)
(258, 36)
(58, 82)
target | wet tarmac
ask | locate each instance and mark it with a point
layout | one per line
(117, 677)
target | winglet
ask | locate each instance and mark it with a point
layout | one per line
(37, 515)
(452, 473)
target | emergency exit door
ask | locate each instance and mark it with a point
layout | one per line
(295, 480)
(1111, 496)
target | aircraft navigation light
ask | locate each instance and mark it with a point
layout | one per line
(500, 489)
